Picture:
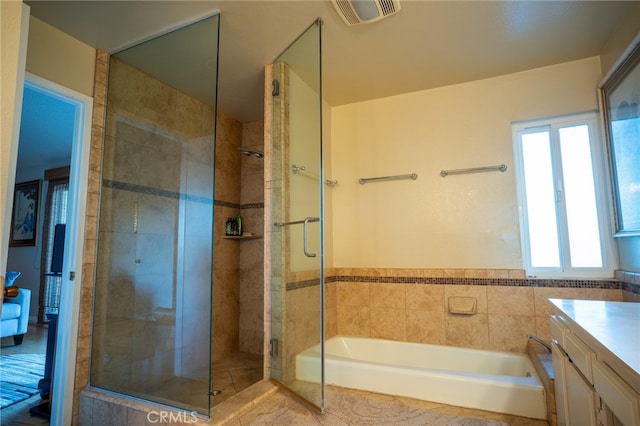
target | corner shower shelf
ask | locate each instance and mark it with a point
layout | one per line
(242, 237)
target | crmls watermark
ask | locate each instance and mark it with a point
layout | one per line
(172, 417)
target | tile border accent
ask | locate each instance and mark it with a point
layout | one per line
(305, 284)
(176, 195)
(510, 282)
(505, 282)
(238, 206)
(252, 206)
(140, 189)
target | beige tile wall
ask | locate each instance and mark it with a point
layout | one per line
(419, 312)
(252, 251)
(87, 292)
(226, 252)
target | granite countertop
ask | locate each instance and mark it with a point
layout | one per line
(612, 327)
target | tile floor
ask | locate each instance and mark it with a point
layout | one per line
(343, 406)
(354, 407)
(232, 375)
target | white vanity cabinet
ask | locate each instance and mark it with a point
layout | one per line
(575, 396)
(596, 362)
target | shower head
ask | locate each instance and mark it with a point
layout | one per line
(250, 153)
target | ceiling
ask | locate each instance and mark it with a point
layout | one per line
(46, 130)
(427, 44)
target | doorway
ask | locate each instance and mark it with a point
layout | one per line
(49, 109)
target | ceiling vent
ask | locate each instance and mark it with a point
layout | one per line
(354, 12)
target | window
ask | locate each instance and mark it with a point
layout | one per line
(56, 213)
(562, 220)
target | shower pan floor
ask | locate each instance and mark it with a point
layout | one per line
(234, 374)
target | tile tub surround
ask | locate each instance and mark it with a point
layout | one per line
(541, 360)
(412, 304)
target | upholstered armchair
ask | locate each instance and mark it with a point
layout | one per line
(15, 310)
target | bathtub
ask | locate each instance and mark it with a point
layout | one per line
(502, 382)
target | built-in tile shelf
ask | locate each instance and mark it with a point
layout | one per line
(242, 237)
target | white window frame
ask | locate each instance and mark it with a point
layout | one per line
(601, 183)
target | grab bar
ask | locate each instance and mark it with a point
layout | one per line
(500, 168)
(412, 176)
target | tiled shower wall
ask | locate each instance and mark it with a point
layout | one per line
(238, 292)
(252, 250)
(238, 320)
(226, 271)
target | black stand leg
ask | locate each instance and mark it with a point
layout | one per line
(44, 385)
(43, 410)
(17, 339)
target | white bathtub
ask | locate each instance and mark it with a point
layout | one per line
(502, 382)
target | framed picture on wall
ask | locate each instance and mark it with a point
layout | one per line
(620, 96)
(24, 218)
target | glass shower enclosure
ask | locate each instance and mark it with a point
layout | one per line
(154, 273)
(296, 191)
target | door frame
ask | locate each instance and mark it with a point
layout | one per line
(64, 366)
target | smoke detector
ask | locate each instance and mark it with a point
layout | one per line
(355, 12)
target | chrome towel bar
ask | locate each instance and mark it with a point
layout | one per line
(302, 170)
(500, 168)
(412, 176)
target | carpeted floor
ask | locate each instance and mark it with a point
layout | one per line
(19, 376)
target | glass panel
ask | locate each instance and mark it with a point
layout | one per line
(541, 203)
(580, 197)
(152, 318)
(297, 246)
(620, 95)
(626, 152)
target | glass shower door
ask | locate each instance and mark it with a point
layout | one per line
(297, 247)
(152, 314)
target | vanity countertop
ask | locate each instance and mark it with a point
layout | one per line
(611, 329)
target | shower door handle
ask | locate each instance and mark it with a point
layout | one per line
(305, 235)
(305, 231)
